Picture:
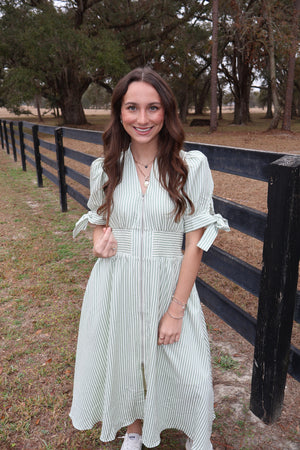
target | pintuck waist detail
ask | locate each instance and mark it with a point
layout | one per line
(153, 243)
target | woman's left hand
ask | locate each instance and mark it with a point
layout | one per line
(169, 330)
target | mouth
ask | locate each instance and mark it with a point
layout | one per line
(142, 130)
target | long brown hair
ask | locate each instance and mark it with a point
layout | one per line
(172, 170)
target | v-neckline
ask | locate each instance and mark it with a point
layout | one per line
(137, 175)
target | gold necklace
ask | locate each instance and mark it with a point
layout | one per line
(142, 164)
(146, 177)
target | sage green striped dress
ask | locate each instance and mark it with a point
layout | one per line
(125, 298)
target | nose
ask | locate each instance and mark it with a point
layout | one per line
(142, 116)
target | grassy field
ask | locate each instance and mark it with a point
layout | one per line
(43, 274)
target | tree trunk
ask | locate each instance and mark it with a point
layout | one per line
(200, 97)
(38, 107)
(271, 51)
(71, 89)
(214, 69)
(287, 116)
(269, 113)
(242, 85)
(220, 102)
(237, 108)
(184, 104)
(71, 109)
(294, 110)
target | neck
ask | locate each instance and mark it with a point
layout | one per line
(144, 153)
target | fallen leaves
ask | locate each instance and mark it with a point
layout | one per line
(47, 362)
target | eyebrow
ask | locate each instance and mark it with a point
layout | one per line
(135, 103)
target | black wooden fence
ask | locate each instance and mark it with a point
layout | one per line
(275, 285)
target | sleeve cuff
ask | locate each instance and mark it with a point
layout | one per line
(214, 223)
(90, 217)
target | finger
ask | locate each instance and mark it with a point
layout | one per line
(166, 340)
(109, 242)
(172, 340)
(161, 340)
(102, 241)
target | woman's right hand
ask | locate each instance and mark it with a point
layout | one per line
(105, 244)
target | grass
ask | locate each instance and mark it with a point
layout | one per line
(225, 361)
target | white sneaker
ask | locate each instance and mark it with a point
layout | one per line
(188, 444)
(132, 441)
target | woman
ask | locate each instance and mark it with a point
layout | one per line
(143, 356)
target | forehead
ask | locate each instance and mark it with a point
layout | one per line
(141, 92)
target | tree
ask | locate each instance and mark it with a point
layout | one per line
(272, 65)
(286, 123)
(214, 68)
(59, 59)
(240, 24)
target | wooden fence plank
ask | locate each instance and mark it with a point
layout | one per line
(27, 136)
(77, 196)
(278, 290)
(50, 176)
(247, 220)
(28, 124)
(233, 268)
(48, 161)
(47, 129)
(93, 137)
(237, 161)
(77, 176)
(233, 315)
(48, 145)
(79, 156)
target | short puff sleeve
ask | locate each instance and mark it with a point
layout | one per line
(199, 188)
(97, 179)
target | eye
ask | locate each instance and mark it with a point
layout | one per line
(153, 108)
(131, 107)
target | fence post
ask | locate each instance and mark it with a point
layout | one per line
(37, 155)
(22, 145)
(1, 134)
(277, 289)
(6, 137)
(60, 157)
(13, 142)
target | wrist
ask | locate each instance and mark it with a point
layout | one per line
(176, 309)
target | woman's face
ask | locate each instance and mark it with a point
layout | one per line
(142, 114)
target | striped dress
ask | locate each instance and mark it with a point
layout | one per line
(121, 373)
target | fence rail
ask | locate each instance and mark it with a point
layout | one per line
(275, 286)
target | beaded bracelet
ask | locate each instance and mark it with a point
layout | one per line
(173, 317)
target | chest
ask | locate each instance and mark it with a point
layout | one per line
(134, 208)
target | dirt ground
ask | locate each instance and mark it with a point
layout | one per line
(235, 426)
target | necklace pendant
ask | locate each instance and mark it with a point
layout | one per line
(146, 182)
